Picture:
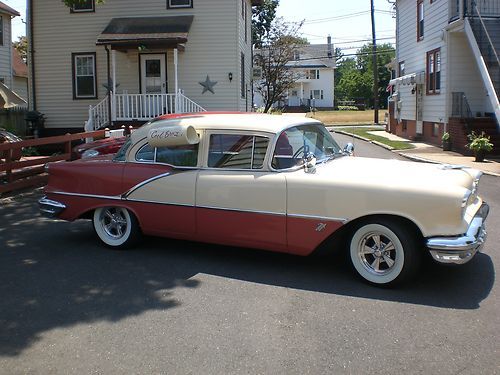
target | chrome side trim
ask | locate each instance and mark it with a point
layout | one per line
(145, 182)
(50, 208)
(113, 197)
(312, 217)
(243, 210)
(461, 249)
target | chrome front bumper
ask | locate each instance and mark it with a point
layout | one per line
(50, 208)
(461, 249)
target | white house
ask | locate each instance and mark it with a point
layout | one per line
(8, 77)
(314, 66)
(448, 70)
(153, 56)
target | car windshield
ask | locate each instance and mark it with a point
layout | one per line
(120, 155)
(294, 143)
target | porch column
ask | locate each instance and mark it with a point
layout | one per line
(301, 93)
(176, 80)
(113, 96)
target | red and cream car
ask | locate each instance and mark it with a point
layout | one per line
(275, 183)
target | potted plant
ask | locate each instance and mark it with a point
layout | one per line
(479, 144)
(446, 141)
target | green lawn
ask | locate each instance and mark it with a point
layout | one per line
(364, 132)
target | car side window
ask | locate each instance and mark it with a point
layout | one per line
(237, 151)
(179, 156)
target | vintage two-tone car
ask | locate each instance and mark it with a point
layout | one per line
(275, 183)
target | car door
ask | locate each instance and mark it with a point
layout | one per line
(238, 200)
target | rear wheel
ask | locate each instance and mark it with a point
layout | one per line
(116, 227)
(385, 252)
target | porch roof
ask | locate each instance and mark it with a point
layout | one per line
(134, 31)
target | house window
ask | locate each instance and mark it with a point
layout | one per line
(242, 73)
(172, 4)
(1, 30)
(84, 76)
(83, 6)
(420, 20)
(316, 94)
(296, 55)
(312, 74)
(246, 20)
(433, 76)
(237, 151)
(401, 68)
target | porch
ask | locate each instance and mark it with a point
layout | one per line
(142, 55)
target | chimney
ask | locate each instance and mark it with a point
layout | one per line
(329, 41)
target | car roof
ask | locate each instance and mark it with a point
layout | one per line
(227, 121)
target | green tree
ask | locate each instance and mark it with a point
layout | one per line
(354, 76)
(262, 18)
(276, 51)
(21, 45)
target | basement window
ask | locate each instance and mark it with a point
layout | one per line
(174, 4)
(83, 6)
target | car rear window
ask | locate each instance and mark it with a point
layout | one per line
(237, 151)
(179, 156)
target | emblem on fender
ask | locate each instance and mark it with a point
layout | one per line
(320, 227)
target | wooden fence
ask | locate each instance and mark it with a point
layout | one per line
(13, 120)
(20, 174)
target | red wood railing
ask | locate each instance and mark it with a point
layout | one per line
(15, 175)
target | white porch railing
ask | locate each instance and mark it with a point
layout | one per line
(186, 105)
(142, 107)
(98, 116)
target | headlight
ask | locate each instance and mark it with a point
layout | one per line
(90, 154)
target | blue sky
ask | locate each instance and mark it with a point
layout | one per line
(346, 21)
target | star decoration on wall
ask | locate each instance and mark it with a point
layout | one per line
(208, 85)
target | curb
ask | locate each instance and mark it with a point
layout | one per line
(364, 139)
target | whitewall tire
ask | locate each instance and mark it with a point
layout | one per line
(385, 252)
(116, 227)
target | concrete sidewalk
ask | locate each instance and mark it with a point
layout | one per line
(432, 154)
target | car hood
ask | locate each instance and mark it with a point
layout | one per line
(396, 173)
(99, 143)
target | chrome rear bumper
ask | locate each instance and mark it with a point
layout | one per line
(461, 249)
(50, 208)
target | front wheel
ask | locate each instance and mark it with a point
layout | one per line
(385, 252)
(116, 227)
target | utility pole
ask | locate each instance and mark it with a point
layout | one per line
(375, 66)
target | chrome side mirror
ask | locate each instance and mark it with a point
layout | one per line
(309, 163)
(349, 149)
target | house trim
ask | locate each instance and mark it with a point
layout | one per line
(73, 71)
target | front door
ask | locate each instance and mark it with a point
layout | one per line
(153, 74)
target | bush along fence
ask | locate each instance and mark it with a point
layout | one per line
(30, 171)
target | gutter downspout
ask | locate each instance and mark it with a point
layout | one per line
(32, 55)
(108, 63)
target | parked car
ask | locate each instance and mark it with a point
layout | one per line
(277, 183)
(103, 146)
(111, 145)
(8, 137)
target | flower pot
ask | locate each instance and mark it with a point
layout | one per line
(447, 145)
(479, 154)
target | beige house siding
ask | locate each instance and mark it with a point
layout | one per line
(414, 55)
(5, 51)
(465, 73)
(210, 51)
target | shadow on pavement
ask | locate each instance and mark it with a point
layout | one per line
(55, 274)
